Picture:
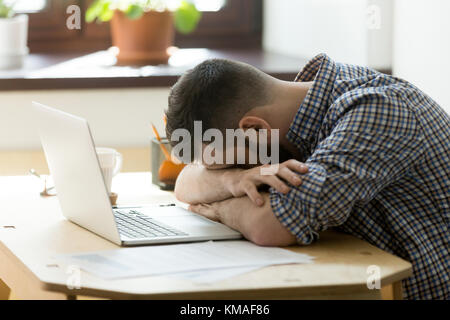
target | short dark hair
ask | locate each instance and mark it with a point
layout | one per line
(217, 92)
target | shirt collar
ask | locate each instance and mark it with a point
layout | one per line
(304, 130)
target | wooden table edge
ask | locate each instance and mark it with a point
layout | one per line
(304, 292)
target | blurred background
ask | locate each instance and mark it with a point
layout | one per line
(70, 64)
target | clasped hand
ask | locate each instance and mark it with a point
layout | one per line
(247, 182)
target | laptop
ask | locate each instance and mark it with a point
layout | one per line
(83, 197)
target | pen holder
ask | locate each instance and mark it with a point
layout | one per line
(164, 171)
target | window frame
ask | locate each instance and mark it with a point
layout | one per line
(237, 25)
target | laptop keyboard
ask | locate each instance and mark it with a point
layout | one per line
(136, 225)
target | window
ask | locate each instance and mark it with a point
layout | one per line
(225, 24)
(30, 5)
(238, 24)
(209, 5)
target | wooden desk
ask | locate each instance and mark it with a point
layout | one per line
(32, 231)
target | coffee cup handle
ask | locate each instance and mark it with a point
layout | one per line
(119, 161)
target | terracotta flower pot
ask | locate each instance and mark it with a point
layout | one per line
(144, 40)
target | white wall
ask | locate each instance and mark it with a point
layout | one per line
(412, 38)
(121, 117)
(118, 117)
(422, 46)
(347, 30)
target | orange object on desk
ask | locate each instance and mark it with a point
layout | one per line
(169, 171)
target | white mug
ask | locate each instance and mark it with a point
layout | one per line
(111, 163)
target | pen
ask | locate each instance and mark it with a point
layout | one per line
(163, 148)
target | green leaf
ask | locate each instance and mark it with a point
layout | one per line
(106, 13)
(134, 11)
(6, 11)
(94, 11)
(187, 17)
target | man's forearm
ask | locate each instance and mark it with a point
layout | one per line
(197, 184)
(257, 224)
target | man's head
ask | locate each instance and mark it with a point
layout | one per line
(218, 93)
(222, 94)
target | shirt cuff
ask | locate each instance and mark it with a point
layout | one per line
(297, 210)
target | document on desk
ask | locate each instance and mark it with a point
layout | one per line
(214, 275)
(185, 260)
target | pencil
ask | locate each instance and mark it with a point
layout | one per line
(163, 147)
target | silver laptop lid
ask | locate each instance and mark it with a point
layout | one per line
(75, 169)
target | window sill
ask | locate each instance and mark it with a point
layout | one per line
(98, 70)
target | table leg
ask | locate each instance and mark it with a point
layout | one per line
(5, 291)
(397, 290)
(22, 285)
(392, 291)
(387, 292)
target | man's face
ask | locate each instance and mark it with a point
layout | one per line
(228, 157)
(249, 157)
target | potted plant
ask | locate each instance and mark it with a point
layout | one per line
(143, 30)
(13, 37)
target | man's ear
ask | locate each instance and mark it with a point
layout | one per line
(251, 122)
(256, 123)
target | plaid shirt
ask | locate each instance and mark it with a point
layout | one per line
(378, 152)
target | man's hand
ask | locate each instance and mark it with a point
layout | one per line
(257, 224)
(198, 184)
(241, 183)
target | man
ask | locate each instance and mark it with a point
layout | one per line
(369, 155)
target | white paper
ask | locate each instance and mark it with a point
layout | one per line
(181, 258)
(209, 276)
